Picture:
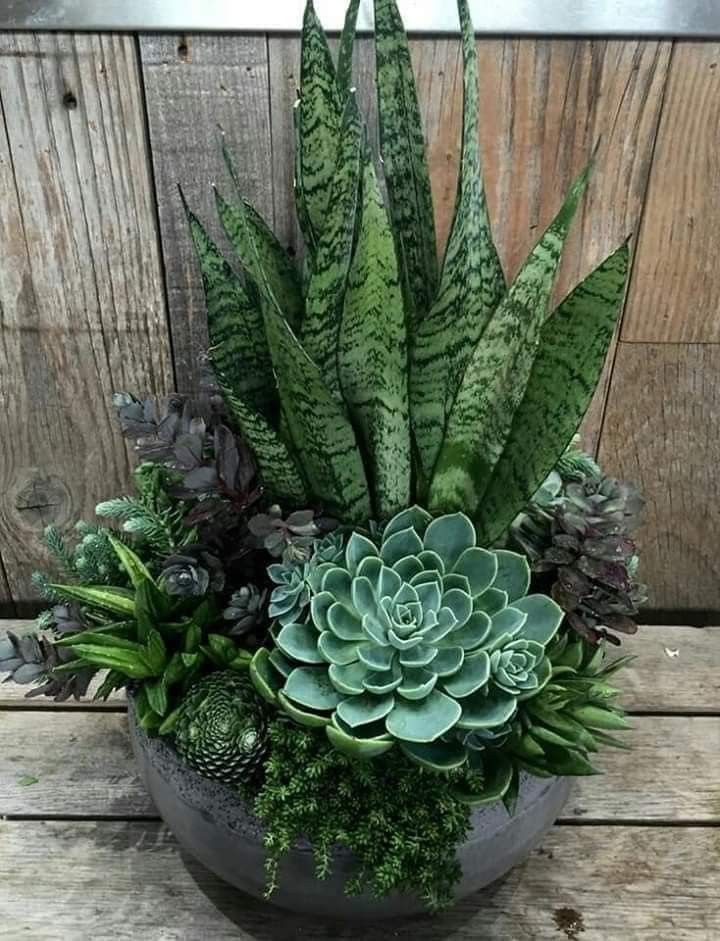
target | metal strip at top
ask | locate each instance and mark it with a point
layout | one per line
(688, 18)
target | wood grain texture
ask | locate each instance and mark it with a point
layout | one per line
(676, 671)
(555, 101)
(661, 431)
(84, 767)
(675, 290)
(197, 89)
(81, 298)
(125, 880)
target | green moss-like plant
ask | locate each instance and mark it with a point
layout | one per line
(403, 823)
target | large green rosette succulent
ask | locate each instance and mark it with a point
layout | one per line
(410, 639)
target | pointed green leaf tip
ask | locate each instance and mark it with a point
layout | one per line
(326, 288)
(402, 145)
(573, 346)
(496, 375)
(319, 426)
(345, 49)
(471, 285)
(372, 354)
(319, 116)
(238, 347)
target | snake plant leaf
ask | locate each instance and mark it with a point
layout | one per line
(372, 354)
(277, 468)
(241, 222)
(402, 145)
(496, 375)
(319, 119)
(235, 326)
(345, 50)
(471, 284)
(573, 346)
(319, 427)
(326, 287)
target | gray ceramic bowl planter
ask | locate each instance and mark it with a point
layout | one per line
(217, 827)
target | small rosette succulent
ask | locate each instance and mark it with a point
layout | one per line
(412, 640)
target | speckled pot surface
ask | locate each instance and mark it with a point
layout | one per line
(219, 829)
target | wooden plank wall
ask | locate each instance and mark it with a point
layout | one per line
(99, 290)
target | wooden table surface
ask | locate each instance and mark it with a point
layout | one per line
(636, 854)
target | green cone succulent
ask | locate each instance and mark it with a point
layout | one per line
(412, 638)
(221, 728)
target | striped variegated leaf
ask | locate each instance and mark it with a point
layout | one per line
(239, 222)
(372, 354)
(402, 145)
(573, 346)
(345, 50)
(319, 427)
(471, 285)
(238, 347)
(278, 471)
(326, 287)
(496, 375)
(319, 116)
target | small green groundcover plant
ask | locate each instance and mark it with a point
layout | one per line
(367, 578)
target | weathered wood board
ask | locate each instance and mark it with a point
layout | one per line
(199, 89)
(81, 295)
(125, 880)
(662, 432)
(675, 294)
(84, 767)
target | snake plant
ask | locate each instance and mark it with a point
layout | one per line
(376, 378)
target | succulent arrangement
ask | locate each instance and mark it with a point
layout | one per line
(370, 558)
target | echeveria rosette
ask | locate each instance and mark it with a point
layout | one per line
(409, 640)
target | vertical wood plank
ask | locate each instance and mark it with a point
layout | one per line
(81, 295)
(661, 431)
(675, 292)
(546, 103)
(198, 88)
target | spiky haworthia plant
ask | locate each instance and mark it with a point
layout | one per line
(395, 381)
(411, 638)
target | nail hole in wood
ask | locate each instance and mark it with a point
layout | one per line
(69, 101)
(182, 50)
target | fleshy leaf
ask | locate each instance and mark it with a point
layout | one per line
(438, 756)
(573, 346)
(238, 348)
(320, 429)
(277, 467)
(544, 617)
(372, 355)
(326, 288)
(497, 373)
(513, 574)
(250, 236)
(471, 284)
(402, 145)
(310, 687)
(423, 720)
(319, 114)
(345, 50)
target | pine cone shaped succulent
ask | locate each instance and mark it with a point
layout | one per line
(221, 729)
(577, 535)
(593, 557)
